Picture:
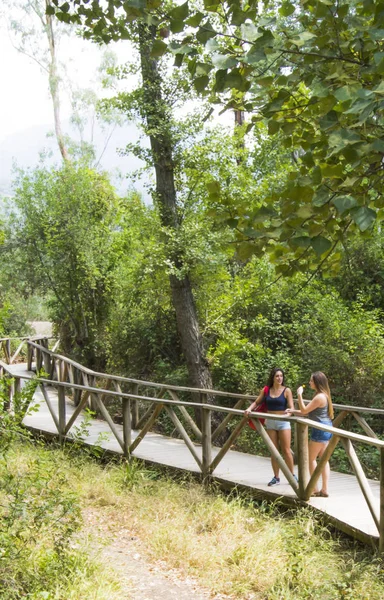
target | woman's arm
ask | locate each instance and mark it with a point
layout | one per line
(306, 409)
(258, 401)
(289, 398)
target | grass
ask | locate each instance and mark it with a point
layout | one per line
(226, 542)
(40, 516)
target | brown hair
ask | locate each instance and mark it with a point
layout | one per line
(272, 374)
(321, 384)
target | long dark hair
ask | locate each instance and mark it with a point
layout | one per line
(272, 376)
(321, 384)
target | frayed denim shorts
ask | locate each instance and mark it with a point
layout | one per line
(277, 425)
(317, 435)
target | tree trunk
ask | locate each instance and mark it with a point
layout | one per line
(54, 85)
(157, 116)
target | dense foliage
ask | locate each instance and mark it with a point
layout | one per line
(63, 230)
(311, 70)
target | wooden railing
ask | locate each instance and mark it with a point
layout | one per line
(193, 420)
(12, 348)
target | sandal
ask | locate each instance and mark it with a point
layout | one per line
(321, 494)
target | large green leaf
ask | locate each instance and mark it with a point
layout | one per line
(205, 33)
(320, 244)
(286, 9)
(201, 83)
(180, 13)
(303, 38)
(222, 61)
(364, 217)
(158, 49)
(344, 203)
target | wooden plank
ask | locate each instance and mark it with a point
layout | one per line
(127, 425)
(50, 407)
(17, 352)
(62, 415)
(146, 415)
(179, 426)
(364, 425)
(146, 428)
(381, 528)
(7, 351)
(79, 408)
(225, 421)
(108, 418)
(29, 357)
(135, 406)
(235, 433)
(186, 415)
(206, 441)
(361, 478)
(302, 457)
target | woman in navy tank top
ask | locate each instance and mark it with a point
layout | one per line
(278, 398)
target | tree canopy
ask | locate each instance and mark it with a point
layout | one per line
(312, 71)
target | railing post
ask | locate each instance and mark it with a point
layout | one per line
(302, 457)
(38, 359)
(61, 396)
(7, 350)
(381, 529)
(17, 385)
(127, 426)
(135, 406)
(206, 441)
(76, 392)
(46, 356)
(29, 356)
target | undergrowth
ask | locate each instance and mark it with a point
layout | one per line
(40, 513)
(227, 542)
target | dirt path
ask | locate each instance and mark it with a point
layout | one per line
(140, 579)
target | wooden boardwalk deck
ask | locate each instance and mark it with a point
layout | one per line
(345, 508)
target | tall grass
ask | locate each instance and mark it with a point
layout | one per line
(227, 542)
(40, 513)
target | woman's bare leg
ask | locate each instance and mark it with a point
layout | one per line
(325, 472)
(316, 449)
(285, 445)
(274, 437)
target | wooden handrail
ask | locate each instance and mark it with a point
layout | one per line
(224, 409)
(203, 453)
(213, 392)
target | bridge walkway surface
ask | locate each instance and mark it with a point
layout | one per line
(346, 507)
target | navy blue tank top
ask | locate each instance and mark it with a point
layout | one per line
(275, 404)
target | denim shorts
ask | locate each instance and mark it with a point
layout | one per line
(317, 435)
(277, 425)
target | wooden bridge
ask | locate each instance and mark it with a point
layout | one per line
(355, 505)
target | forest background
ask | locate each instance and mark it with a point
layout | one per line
(262, 245)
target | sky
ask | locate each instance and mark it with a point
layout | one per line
(25, 101)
